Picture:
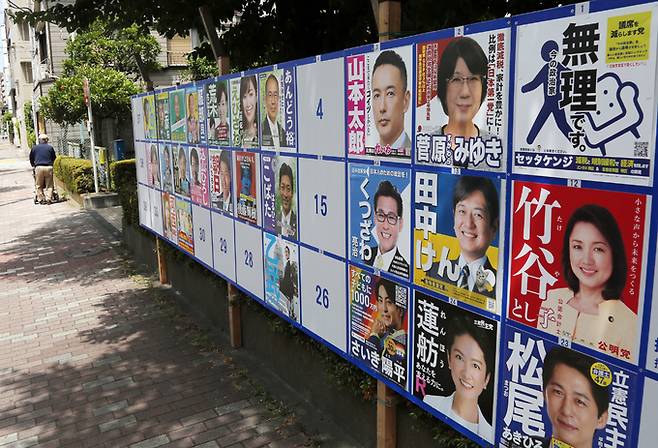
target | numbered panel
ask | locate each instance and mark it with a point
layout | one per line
(143, 196)
(652, 348)
(223, 245)
(202, 234)
(156, 211)
(323, 297)
(321, 109)
(322, 204)
(249, 258)
(138, 118)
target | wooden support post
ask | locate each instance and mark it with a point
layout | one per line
(389, 19)
(386, 417)
(162, 262)
(234, 317)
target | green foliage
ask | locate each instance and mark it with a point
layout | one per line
(29, 124)
(101, 45)
(124, 176)
(110, 93)
(76, 174)
(8, 122)
(200, 66)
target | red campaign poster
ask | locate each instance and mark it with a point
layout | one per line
(576, 265)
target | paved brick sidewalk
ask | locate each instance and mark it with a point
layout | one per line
(87, 357)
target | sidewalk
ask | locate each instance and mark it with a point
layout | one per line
(87, 355)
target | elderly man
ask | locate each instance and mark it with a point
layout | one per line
(42, 157)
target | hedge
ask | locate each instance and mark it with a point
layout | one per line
(124, 181)
(76, 174)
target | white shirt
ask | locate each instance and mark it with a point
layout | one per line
(274, 131)
(444, 406)
(473, 268)
(227, 203)
(387, 258)
(285, 222)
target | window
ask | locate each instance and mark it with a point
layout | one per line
(24, 30)
(27, 72)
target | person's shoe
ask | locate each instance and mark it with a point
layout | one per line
(42, 202)
(49, 202)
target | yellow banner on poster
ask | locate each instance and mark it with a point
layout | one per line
(442, 275)
(628, 38)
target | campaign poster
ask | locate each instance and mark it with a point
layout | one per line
(221, 180)
(244, 111)
(377, 97)
(218, 112)
(138, 117)
(279, 195)
(648, 428)
(380, 217)
(169, 217)
(584, 96)
(652, 350)
(277, 109)
(166, 167)
(177, 115)
(456, 237)
(199, 190)
(247, 200)
(181, 170)
(577, 265)
(185, 228)
(148, 108)
(192, 115)
(162, 108)
(455, 362)
(461, 101)
(281, 275)
(153, 165)
(379, 324)
(553, 396)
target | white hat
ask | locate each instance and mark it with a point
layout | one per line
(43, 136)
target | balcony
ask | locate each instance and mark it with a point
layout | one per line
(176, 58)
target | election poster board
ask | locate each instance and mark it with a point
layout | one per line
(461, 101)
(585, 96)
(648, 428)
(378, 98)
(519, 245)
(539, 377)
(455, 362)
(379, 200)
(277, 109)
(577, 258)
(379, 322)
(456, 237)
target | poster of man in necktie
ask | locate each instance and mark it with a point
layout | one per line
(456, 237)
(379, 211)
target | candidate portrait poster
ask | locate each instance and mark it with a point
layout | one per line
(218, 112)
(221, 180)
(538, 376)
(456, 237)
(281, 264)
(153, 165)
(378, 99)
(148, 108)
(166, 167)
(185, 228)
(178, 115)
(577, 265)
(280, 195)
(246, 184)
(244, 111)
(181, 170)
(199, 190)
(162, 111)
(461, 101)
(379, 207)
(169, 217)
(585, 96)
(455, 362)
(379, 324)
(277, 109)
(192, 115)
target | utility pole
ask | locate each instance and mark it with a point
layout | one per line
(90, 128)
